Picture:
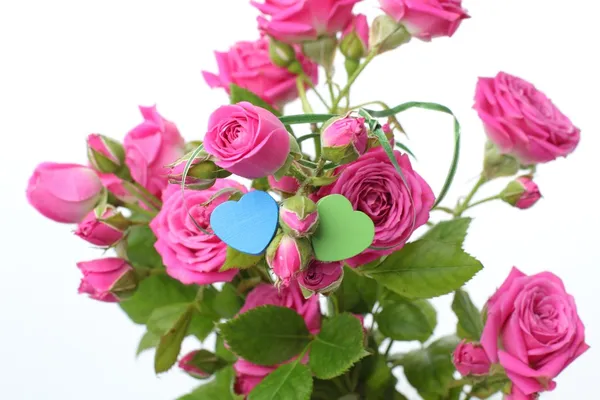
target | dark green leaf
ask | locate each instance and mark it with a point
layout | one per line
(223, 351)
(380, 381)
(424, 269)
(453, 231)
(288, 382)
(140, 247)
(227, 303)
(357, 294)
(201, 326)
(261, 184)
(266, 335)
(170, 343)
(221, 388)
(407, 320)
(338, 345)
(470, 324)
(154, 292)
(148, 341)
(306, 118)
(236, 259)
(237, 94)
(207, 362)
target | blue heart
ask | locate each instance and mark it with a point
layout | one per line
(247, 225)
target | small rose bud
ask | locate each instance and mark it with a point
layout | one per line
(105, 154)
(105, 230)
(107, 279)
(387, 34)
(321, 277)
(287, 256)
(202, 174)
(522, 193)
(283, 55)
(344, 139)
(496, 164)
(298, 216)
(286, 185)
(355, 38)
(470, 359)
(201, 364)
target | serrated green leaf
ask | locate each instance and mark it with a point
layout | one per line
(237, 94)
(288, 382)
(221, 388)
(148, 341)
(470, 324)
(201, 326)
(169, 345)
(425, 269)
(407, 320)
(140, 247)
(236, 259)
(163, 318)
(266, 335)
(453, 231)
(154, 292)
(227, 302)
(357, 294)
(223, 351)
(338, 345)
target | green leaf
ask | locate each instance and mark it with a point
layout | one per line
(237, 94)
(162, 319)
(306, 118)
(357, 294)
(470, 325)
(429, 370)
(424, 269)
(201, 326)
(227, 302)
(221, 388)
(407, 320)
(169, 345)
(338, 345)
(236, 259)
(154, 292)
(148, 341)
(207, 362)
(381, 383)
(489, 386)
(261, 184)
(140, 247)
(266, 335)
(223, 351)
(288, 382)
(453, 231)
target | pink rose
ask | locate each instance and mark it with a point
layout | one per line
(533, 330)
(287, 184)
(149, 147)
(294, 21)
(522, 193)
(248, 375)
(426, 19)
(321, 277)
(344, 139)
(190, 255)
(522, 121)
(115, 185)
(64, 192)
(106, 278)
(374, 187)
(98, 232)
(286, 256)
(105, 154)
(189, 366)
(246, 140)
(470, 359)
(248, 65)
(355, 38)
(298, 216)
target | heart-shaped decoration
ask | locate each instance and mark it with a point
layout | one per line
(342, 232)
(247, 225)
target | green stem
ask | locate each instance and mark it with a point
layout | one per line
(297, 173)
(312, 86)
(351, 80)
(135, 192)
(306, 137)
(383, 105)
(302, 93)
(317, 139)
(389, 347)
(444, 209)
(375, 311)
(138, 209)
(152, 198)
(465, 204)
(329, 78)
(496, 197)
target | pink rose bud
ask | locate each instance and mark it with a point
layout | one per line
(522, 193)
(64, 192)
(201, 364)
(102, 231)
(387, 34)
(105, 154)
(321, 277)
(470, 359)
(202, 174)
(344, 139)
(285, 185)
(287, 256)
(355, 38)
(298, 216)
(107, 279)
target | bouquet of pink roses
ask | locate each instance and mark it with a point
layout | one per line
(307, 269)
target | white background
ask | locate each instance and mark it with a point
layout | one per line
(69, 68)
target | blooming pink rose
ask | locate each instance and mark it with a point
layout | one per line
(294, 21)
(355, 38)
(248, 65)
(190, 255)
(95, 231)
(426, 19)
(287, 184)
(64, 192)
(249, 375)
(533, 330)
(149, 147)
(345, 139)
(105, 278)
(321, 277)
(470, 359)
(522, 121)
(374, 187)
(246, 140)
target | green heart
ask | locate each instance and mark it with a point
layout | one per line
(342, 232)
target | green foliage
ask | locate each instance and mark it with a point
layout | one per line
(227, 303)
(291, 381)
(236, 259)
(403, 319)
(470, 325)
(453, 231)
(223, 351)
(357, 294)
(266, 335)
(162, 319)
(169, 345)
(148, 341)
(221, 388)
(207, 362)
(237, 94)
(261, 184)
(338, 345)
(140, 247)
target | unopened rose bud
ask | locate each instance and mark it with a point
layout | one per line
(387, 34)
(355, 38)
(105, 154)
(283, 55)
(286, 185)
(522, 193)
(201, 364)
(287, 256)
(202, 174)
(107, 279)
(344, 139)
(321, 277)
(496, 164)
(470, 359)
(298, 216)
(104, 230)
